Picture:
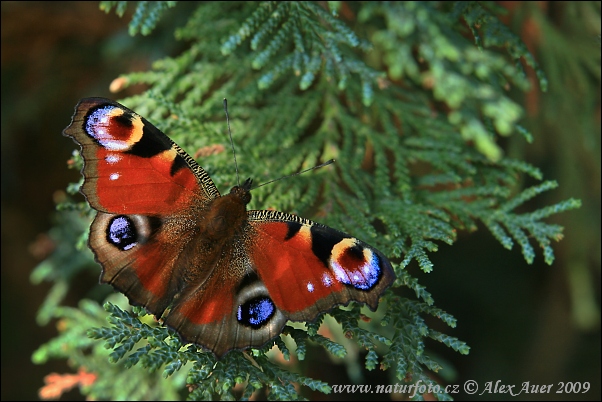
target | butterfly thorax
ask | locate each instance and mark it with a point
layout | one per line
(227, 215)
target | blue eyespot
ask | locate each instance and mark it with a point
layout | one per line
(256, 313)
(100, 126)
(122, 233)
(364, 277)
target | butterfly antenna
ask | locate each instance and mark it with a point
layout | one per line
(231, 141)
(295, 174)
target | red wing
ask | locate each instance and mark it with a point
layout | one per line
(309, 268)
(138, 258)
(130, 166)
(229, 310)
(149, 194)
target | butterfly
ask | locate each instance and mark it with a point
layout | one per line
(221, 276)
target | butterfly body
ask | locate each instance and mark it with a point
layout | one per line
(223, 277)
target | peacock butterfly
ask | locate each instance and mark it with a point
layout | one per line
(222, 277)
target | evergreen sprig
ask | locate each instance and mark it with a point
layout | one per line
(146, 16)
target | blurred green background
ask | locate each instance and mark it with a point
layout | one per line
(523, 322)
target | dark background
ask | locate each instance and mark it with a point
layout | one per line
(53, 54)
(522, 322)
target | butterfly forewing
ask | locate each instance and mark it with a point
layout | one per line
(130, 166)
(309, 267)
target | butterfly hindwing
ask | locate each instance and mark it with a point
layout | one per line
(137, 258)
(231, 310)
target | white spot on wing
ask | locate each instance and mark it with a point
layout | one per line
(114, 176)
(114, 145)
(112, 158)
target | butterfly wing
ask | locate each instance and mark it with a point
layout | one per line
(308, 268)
(231, 310)
(131, 167)
(148, 192)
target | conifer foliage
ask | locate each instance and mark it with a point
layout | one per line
(410, 98)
